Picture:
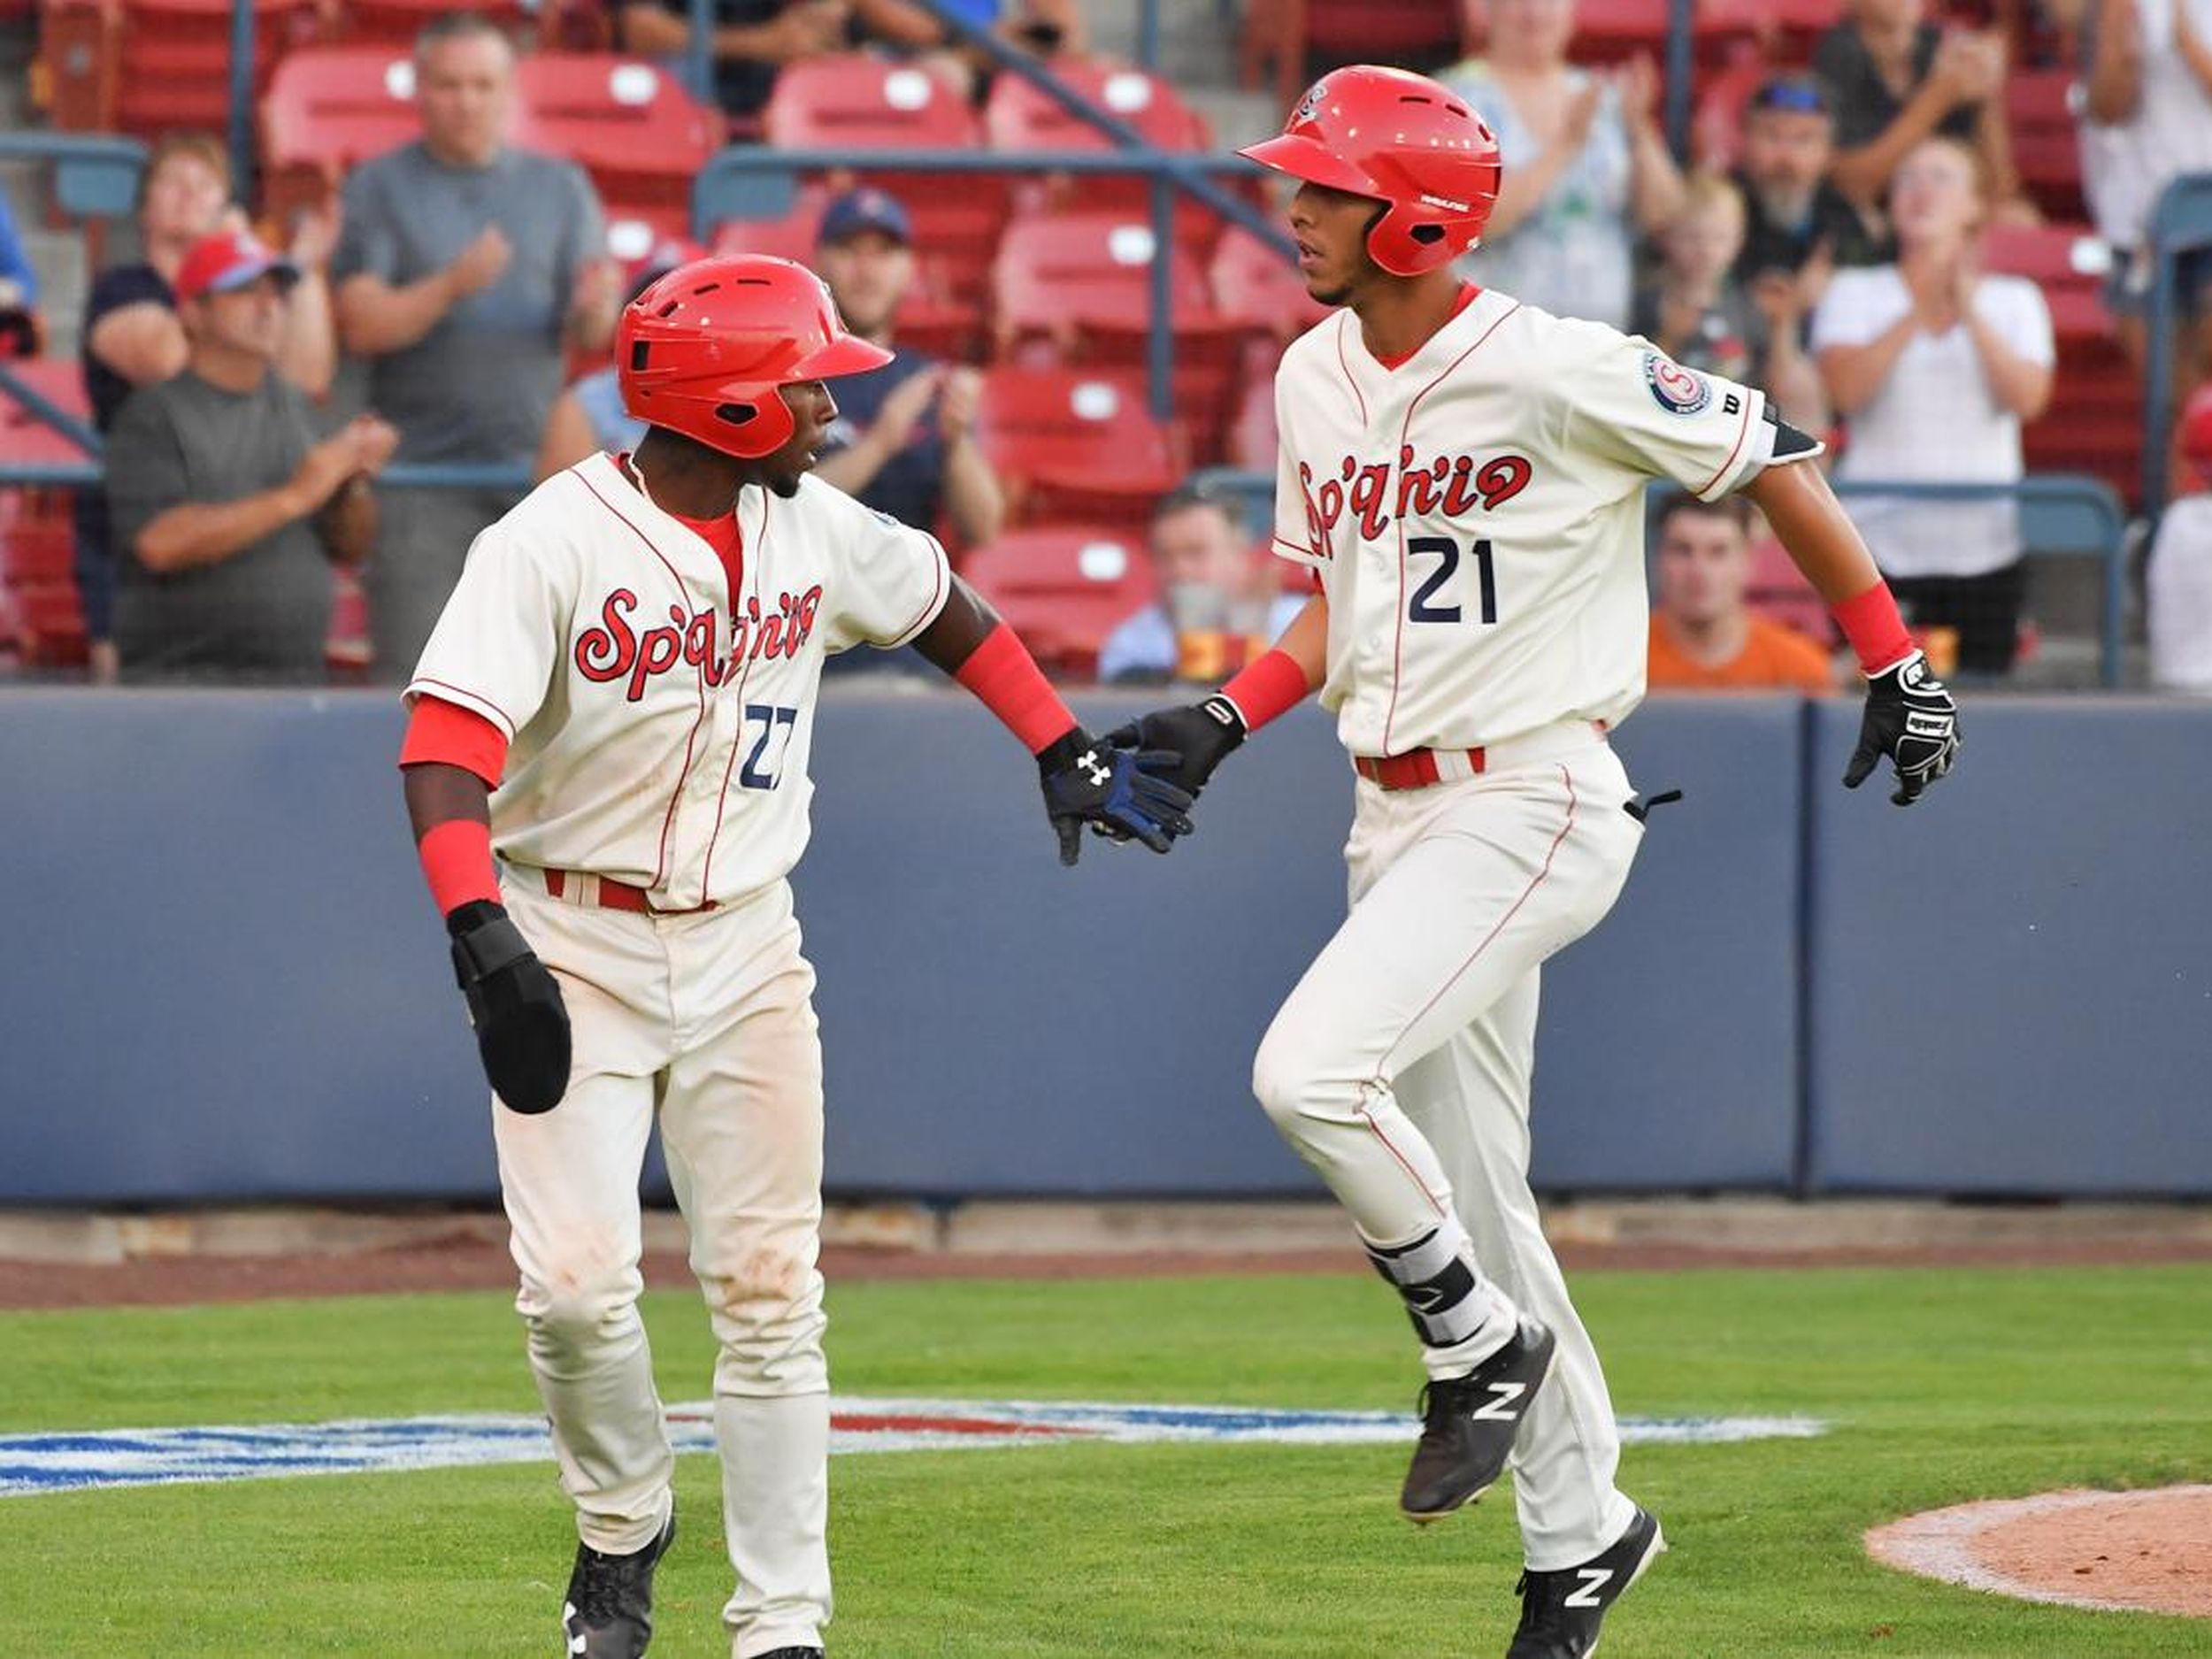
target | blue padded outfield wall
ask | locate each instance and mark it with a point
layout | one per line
(223, 981)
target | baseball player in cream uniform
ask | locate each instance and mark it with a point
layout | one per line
(619, 701)
(1466, 476)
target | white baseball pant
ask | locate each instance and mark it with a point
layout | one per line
(707, 1019)
(1400, 1069)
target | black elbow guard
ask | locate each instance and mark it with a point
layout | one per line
(1790, 444)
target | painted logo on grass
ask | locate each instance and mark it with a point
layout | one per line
(32, 1464)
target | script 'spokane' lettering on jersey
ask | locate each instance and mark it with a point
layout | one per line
(1477, 516)
(660, 725)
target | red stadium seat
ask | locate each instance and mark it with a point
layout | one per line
(1253, 442)
(2095, 424)
(1298, 37)
(628, 124)
(1260, 289)
(2045, 139)
(37, 536)
(1779, 589)
(1077, 288)
(1076, 445)
(1020, 117)
(2067, 262)
(789, 237)
(1065, 588)
(23, 437)
(1781, 32)
(397, 22)
(853, 101)
(147, 67)
(328, 109)
(1716, 121)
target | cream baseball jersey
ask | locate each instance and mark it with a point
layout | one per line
(658, 724)
(1476, 515)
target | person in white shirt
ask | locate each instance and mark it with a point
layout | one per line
(1588, 167)
(1935, 365)
(2178, 586)
(2146, 119)
(1217, 604)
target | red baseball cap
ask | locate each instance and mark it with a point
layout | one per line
(226, 261)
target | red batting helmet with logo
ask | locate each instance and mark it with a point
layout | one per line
(1405, 140)
(702, 350)
(2196, 430)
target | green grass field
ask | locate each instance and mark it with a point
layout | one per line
(1940, 1385)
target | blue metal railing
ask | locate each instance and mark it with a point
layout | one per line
(2062, 515)
(720, 193)
(96, 174)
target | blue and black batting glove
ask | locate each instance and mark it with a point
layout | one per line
(1088, 781)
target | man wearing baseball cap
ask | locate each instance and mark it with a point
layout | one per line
(226, 510)
(904, 441)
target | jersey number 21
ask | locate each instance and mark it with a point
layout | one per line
(1428, 604)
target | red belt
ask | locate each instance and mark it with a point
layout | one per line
(1416, 769)
(618, 895)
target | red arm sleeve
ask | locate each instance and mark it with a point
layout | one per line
(446, 734)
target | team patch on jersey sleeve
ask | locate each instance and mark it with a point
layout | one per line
(1679, 391)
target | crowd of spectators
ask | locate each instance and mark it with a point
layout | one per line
(754, 39)
(1828, 253)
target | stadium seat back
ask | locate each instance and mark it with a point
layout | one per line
(629, 124)
(1065, 588)
(1075, 444)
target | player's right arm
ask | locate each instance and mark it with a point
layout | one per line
(482, 677)
(1203, 733)
(451, 761)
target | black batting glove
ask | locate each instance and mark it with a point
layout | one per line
(521, 1024)
(1201, 734)
(1087, 781)
(1911, 718)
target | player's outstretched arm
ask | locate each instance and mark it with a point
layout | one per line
(1085, 781)
(514, 1003)
(1910, 716)
(1203, 733)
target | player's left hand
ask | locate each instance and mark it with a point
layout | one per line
(515, 1004)
(1910, 718)
(1087, 781)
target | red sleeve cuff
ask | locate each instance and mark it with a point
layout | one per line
(1006, 679)
(1273, 686)
(444, 733)
(1871, 621)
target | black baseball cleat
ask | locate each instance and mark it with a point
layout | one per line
(794, 1653)
(609, 1612)
(1468, 1425)
(1561, 1611)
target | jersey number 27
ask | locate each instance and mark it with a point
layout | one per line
(1428, 604)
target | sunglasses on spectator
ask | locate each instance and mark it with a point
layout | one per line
(1798, 98)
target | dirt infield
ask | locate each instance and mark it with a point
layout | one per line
(2114, 1551)
(473, 1258)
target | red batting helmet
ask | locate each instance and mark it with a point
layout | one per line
(702, 350)
(2196, 429)
(1405, 140)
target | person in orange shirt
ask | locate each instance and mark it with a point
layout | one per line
(1703, 636)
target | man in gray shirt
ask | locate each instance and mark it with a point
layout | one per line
(227, 509)
(466, 271)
